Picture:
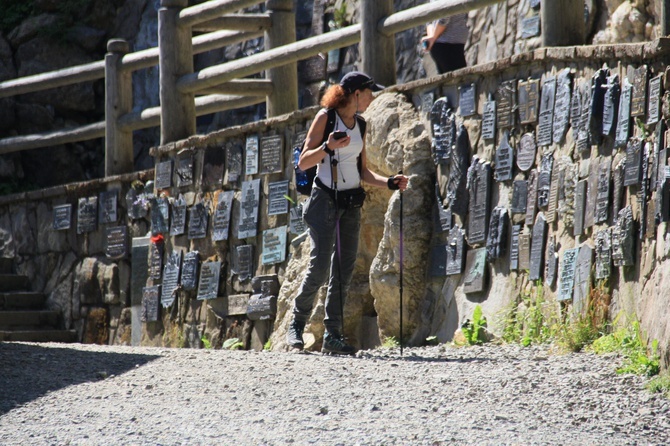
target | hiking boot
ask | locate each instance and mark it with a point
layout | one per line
(335, 343)
(294, 336)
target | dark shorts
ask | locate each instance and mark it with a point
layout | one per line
(448, 56)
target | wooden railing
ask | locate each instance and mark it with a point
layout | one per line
(219, 87)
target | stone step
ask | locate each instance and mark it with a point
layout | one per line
(22, 300)
(6, 265)
(19, 320)
(13, 282)
(38, 336)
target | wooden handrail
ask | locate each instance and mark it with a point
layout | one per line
(211, 10)
(218, 74)
(237, 22)
(57, 137)
(59, 78)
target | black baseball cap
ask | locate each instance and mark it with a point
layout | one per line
(356, 80)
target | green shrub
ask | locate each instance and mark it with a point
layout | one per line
(529, 319)
(390, 342)
(233, 344)
(475, 330)
(660, 384)
(628, 341)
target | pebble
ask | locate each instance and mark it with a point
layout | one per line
(56, 394)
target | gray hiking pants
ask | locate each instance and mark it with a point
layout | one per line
(321, 218)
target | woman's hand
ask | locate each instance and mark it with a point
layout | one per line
(427, 43)
(396, 182)
(334, 144)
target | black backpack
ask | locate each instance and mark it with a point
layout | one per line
(305, 178)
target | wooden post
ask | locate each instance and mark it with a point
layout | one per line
(176, 60)
(284, 97)
(563, 23)
(118, 101)
(377, 50)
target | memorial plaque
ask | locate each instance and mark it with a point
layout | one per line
(249, 209)
(272, 148)
(244, 262)
(598, 87)
(623, 116)
(443, 127)
(62, 217)
(467, 99)
(663, 201)
(617, 187)
(184, 171)
(603, 254)
(208, 285)
(519, 197)
(531, 201)
(178, 214)
(198, 218)
(633, 169)
(591, 193)
(524, 252)
(277, 201)
(566, 191)
(623, 239)
(163, 175)
(654, 106)
(189, 273)
(108, 207)
(116, 242)
(506, 104)
(580, 203)
(525, 157)
(603, 194)
(489, 120)
(638, 102)
(656, 144)
(475, 271)
(455, 251)
(438, 261)
(538, 242)
(427, 100)
(496, 243)
(156, 250)
(150, 298)
(221, 223)
(87, 215)
(479, 187)
(504, 159)
(553, 195)
(551, 265)
(457, 193)
(530, 26)
(562, 106)
(528, 101)
(546, 119)
(251, 156)
(650, 226)
(139, 271)
(568, 266)
(274, 245)
(443, 216)
(582, 280)
(643, 190)
(171, 273)
(611, 105)
(297, 223)
(233, 162)
(213, 168)
(583, 138)
(576, 110)
(160, 215)
(514, 248)
(237, 304)
(544, 180)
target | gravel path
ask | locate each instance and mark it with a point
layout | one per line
(54, 394)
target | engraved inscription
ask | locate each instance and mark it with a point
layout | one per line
(475, 271)
(633, 169)
(623, 239)
(271, 154)
(514, 248)
(603, 195)
(525, 157)
(654, 106)
(455, 251)
(623, 118)
(496, 244)
(184, 172)
(528, 101)
(233, 161)
(443, 127)
(519, 197)
(567, 283)
(221, 223)
(108, 207)
(274, 245)
(277, 202)
(546, 118)
(117, 242)
(524, 252)
(611, 105)
(553, 195)
(479, 187)
(178, 213)
(467, 99)
(580, 202)
(638, 103)
(538, 241)
(562, 106)
(582, 279)
(208, 286)
(87, 215)
(504, 159)
(603, 254)
(249, 209)
(62, 217)
(251, 156)
(150, 298)
(489, 120)
(160, 215)
(198, 218)
(506, 104)
(544, 180)
(163, 175)
(531, 201)
(551, 264)
(244, 262)
(171, 273)
(189, 274)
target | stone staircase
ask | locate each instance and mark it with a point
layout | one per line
(22, 313)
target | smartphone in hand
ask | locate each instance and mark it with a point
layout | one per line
(339, 134)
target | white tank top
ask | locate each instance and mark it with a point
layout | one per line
(348, 176)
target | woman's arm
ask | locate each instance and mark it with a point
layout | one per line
(400, 181)
(433, 31)
(313, 151)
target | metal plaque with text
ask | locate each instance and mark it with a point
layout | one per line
(489, 120)
(274, 245)
(544, 180)
(250, 201)
(455, 251)
(618, 173)
(654, 106)
(525, 157)
(582, 279)
(208, 285)
(623, 239)
(178, 214)
(562, 106)
(62, 217)
(171, 274)
(623, 116)
(633, 172)
(603, 254)
(553, 195)
(551, 264)
(479, 187)
(476, 270)
(524, 252)
(506, 104)
(160, 216)
(603, 194)
(251, 155)
(591, 193)
(546, 117)
(198, 219)
(529, 96)
(297, 224)
(457, 193)
(467, 102)
(108, 205)
(638, 102)
(87, 215)
(519, 197)
(514, 248)
(611, 105)
(580, 202)
(156, 250)
(567, 282)
(504, 159)
(496, 243)
(531, 201)
(189, 271)
(163, 175)
(150, 298)
(116, 242)
(221, 220)
(443, 127)
(244, 262)
(233, 162)
(184, 171)
(277, 201)
(538, 241)
(272, 148)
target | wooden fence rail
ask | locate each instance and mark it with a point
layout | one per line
(221, 84)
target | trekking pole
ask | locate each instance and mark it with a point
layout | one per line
(333, 173)
(401, 266)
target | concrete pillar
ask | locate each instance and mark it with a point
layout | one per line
(118, 101)
(284, 97)
(176, 60)
(563, 23)
(377, 50)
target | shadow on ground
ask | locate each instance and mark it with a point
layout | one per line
(29, 371)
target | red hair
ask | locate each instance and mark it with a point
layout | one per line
(334, 97)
